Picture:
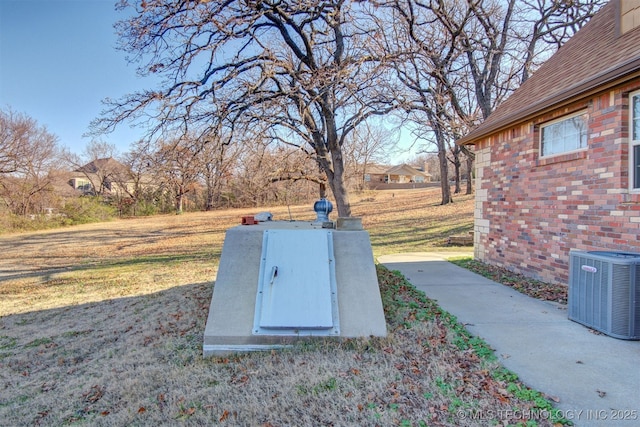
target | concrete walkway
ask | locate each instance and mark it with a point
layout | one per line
(596, 378)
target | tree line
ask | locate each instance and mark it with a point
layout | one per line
(37, 174)
(305, 82)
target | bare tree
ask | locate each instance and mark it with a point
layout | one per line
(506, 42)
(217, 158)
(252, 174)
(177, 165)
(553, 24)
(510, 39)
(369, 144)
(291, 170)
(14, 130)
(138, 184)
(97, 149)
(460, 59)
(267, 172)
(29, 155)
(303, 67)
(427, 58)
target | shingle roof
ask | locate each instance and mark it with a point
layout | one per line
(595, 58)
(108, 163)
(377, 169)
(405, 169)
(402, 169)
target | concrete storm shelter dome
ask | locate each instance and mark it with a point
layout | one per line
(281, 281)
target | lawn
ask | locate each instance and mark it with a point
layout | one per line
(102, 324)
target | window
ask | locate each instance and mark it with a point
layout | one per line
(80, 184)
(564, 135)
(634, 142)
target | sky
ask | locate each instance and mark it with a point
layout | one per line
(58, 62)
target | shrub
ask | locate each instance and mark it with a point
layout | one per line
(84, 210)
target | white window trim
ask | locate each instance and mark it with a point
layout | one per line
(632, 144)
(558, 120)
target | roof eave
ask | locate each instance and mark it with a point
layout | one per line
(610, 78)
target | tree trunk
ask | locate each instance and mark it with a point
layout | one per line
(444, 175)
(336, 182)
(441, 143)
(179, 200)
(210, 196)
(456, 169)
(469, 174)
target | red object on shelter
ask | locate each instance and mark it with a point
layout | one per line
(249, 220)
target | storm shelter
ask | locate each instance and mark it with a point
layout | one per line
(279, 281)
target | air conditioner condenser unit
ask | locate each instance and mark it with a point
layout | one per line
(604, 292)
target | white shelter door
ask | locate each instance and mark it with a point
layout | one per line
(296, 292)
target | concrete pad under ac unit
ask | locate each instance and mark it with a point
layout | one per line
(261, 268)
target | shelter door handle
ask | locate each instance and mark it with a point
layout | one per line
(274, 274)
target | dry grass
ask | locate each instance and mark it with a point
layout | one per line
(102, 325)
(412, 220)
(87, 263)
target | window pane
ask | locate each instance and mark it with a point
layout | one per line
(567, 135)
(636, 117)
(636, 166)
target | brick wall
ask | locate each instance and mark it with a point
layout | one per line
(530, 211)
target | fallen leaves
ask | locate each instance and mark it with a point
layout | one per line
(239, 380)
(188, 411)
(48, 386)
(94, 394)
(185, 411)
(333, 383)
(533, 288)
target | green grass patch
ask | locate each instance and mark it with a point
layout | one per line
(7, 343)
(38, 342)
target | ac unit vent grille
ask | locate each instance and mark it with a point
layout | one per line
(620, 294)
(604, 292)
(637, 299)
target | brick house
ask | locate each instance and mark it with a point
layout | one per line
(558, 163)
(107, 177)
(395, 174)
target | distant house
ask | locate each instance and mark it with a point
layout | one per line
(558, 163)
(377, 176)
(106, 177)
